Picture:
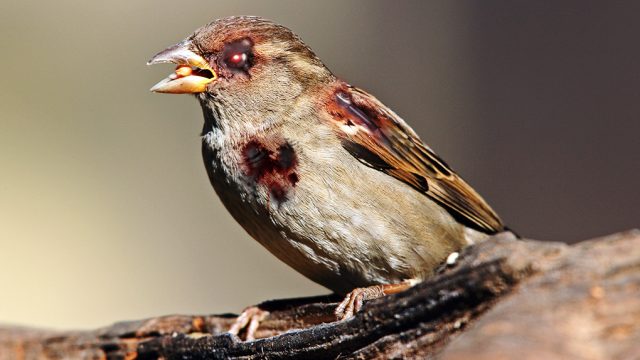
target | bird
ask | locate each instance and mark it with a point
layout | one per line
(321, 173)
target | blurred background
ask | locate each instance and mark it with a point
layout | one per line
(106, 212)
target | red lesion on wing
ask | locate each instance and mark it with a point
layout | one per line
(271, 164)
(382, 140)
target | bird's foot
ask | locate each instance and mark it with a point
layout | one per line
(249, 319)
(353, 302)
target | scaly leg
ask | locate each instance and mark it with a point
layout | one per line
(250, 318)
(353, 302)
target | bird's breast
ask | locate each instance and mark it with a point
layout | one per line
(270, 164)
(321, 211)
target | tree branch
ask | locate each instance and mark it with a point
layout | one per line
(503, 297)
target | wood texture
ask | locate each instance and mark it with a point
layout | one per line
(504, 298)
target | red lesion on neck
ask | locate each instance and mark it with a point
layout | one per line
(271, 164)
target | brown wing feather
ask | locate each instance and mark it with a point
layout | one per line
(379, 138)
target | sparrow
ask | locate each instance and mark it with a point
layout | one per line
(321, 173)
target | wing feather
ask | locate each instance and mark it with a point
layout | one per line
(382, 140)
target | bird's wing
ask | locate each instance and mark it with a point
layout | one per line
(382, 140)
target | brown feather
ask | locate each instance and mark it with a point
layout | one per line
(382, 140)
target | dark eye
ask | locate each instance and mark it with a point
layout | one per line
(238, 55)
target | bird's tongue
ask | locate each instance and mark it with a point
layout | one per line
(186, 70)
(185, 80)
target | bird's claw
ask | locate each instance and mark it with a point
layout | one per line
(353, 302)
(249, 319)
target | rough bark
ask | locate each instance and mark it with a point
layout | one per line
(504, 298)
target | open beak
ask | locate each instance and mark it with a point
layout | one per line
(192, 75)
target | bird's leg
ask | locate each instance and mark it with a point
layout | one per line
(249, 319)
(353, 302)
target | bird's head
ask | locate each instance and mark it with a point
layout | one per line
(241, 61)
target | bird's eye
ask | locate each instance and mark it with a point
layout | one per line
(238, 55)
(237, 60)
